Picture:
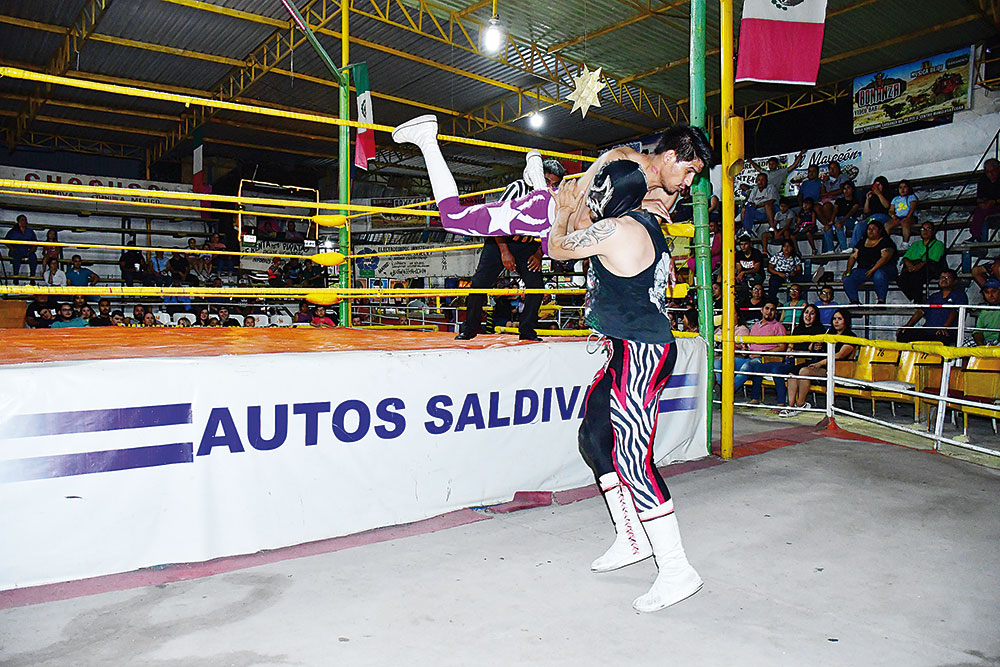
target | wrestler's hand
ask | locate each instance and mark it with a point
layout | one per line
(535, 261)
(507, 259)
(569, 196)
(656, 206)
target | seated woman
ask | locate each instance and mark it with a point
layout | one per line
(873, 259)
(620, 181)
(784, 266)
(798, 387)
(902, 210)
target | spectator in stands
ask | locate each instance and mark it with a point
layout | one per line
(103, 316)
(751, 309)
(32, 312)
(717, 296)
(873, 259)
(798, 387)
(199, 263)
(320, 318)
(750, 262)
(78, 276)
(304, 316)
(213, 321)
(53, 275)
(50, 252)
(833, 187)
(939, 322)
(689, 321)
(983, 272)
(292, 235)
(158, 269)
(225, 320)
(22, 253)
(293, 271)
(79, 301)
(314, 275)
(45, 319)
(138, 312)
(268, 228)
(922, 262)
(987, 329)
(180, 269)
(117, 318)
(133, 266)
(249, 321)
(784, 217)
(824, 305)
(876, 208)
(149, 320)
(201, 319)
(987, 200)
(66, 319)
(902, 210)
(715, 248)
(805, 223)
(776, 174)
(183, 322)
(275, 274)
(760, 204)
(784, 266)
(223, 263)
(842, 217)
(808, 325)
(793, 309)
(812, 186)
(739, 361)
(179, 303)
(87, 314)
(768, 325)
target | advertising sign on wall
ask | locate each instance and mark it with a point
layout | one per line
(451, 264)
(930, 88)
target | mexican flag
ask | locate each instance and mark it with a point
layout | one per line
(781, 41)
(364, 147)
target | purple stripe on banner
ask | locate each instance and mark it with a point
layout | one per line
(682, 380)
(89, 421)
(679, 404)
(67, 465)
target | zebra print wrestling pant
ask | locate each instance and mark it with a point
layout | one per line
(620, 417)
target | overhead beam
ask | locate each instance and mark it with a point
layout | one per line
(635, 18)
(57, 142)
(81, 29)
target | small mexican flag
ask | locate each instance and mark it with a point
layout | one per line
(364, 147)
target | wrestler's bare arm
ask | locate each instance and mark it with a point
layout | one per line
(620, 153)
(622, 243)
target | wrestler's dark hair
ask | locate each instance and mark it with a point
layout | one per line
(554, 167)
(687, 143)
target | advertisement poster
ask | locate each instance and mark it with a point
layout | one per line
(279, 247)
(850, 156)
(933, 87)
(450, 264)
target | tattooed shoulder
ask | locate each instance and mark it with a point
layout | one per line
(591, 236)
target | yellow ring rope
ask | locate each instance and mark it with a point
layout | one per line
(928, 348)
(187, 100)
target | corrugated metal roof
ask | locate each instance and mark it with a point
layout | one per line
(437, 75)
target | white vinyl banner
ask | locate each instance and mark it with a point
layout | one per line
(111, 466)
(76, 205)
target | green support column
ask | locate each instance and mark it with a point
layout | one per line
(344, 144)
(700, 192)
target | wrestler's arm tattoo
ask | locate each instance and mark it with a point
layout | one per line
(591, 236)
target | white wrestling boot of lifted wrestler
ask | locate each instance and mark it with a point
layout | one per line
(534, 171)
(676, 579)
(631, 544)
(422, 132)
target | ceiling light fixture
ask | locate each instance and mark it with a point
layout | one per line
(536, 120)
(494, 34)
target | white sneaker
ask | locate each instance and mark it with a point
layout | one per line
(416, 131)
(534, 171)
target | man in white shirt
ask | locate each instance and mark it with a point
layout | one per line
(760, 204)
(776, 174)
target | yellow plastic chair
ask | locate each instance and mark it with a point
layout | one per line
(982, 384)
(906, 376)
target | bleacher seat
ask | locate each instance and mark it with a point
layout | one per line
(281, 320)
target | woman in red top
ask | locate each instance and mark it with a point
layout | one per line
(321, 320)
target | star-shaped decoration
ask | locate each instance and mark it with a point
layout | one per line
(588, 87)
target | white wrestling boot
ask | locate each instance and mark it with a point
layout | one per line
(534, 171)
(676, 580)
(422, 132)
(631, 544)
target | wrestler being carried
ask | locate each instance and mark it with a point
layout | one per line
(619, 181)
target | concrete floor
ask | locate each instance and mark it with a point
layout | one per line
(821, 553)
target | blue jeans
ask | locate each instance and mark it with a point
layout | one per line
(881, 279)
(752, 216)
(862, 226)
(738, 364)
(758, 366)
(828, 235)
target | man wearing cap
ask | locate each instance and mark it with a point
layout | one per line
(988, 321)
(520, 253)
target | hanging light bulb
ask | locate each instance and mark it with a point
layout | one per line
(493, 36)
(536, 120)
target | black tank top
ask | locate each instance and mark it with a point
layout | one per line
(632, 308)
(618, 187)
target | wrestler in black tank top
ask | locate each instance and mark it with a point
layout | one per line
(632, 308)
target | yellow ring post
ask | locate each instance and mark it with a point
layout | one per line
(728, 229)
